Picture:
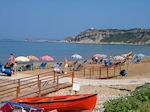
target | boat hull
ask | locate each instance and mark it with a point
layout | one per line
(69, 103)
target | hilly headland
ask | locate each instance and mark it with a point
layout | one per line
(136, 36)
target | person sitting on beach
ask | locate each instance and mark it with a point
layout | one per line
(7, 65)
(93, 59)
(96, 60)
(106, 62)
(57, 70)
(13, 63)
(110, 62)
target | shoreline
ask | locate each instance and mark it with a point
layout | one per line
(105, 43)
(62, 41)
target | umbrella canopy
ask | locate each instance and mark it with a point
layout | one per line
(47, 58)
(141, 55)
(98, 55)
(129, 54)
(33, 58)
(76, 56)
(22, 59)
(119, 58)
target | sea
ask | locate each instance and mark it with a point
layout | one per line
(61, 50)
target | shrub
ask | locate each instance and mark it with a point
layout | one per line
(139, 101)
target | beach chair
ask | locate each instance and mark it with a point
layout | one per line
(137, 61)
(82, 62)
(101, 60)
(56, 65)
(29, 66)
(22, 68)
(77, 68)
(72, 64)
(43, 65)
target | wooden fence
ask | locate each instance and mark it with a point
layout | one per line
(99, 72)
(36, 85)
(42, 84)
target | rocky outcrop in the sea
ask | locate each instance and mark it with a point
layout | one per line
(112, 36)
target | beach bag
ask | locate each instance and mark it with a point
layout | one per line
(123, 73)
(7, 71)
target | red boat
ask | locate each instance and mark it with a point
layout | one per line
(82, 102)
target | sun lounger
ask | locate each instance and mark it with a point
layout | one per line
(29, 66)
(82, 62)
(77, 68)
(56, 65)
(137, 61)
(73, 63)
(43, 65)
(22, 68)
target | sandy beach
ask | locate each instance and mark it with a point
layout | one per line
(138, 74)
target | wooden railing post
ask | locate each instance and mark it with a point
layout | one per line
(84, 71)
(72, 77)
(93, 70)
(107, 72)
(39, 85)
(100, 71)
(17, 91)
(114, 71)
(38, 78)
(54, 76)
(57, 82)
(90, 73)
(19, 85)
(120, 66)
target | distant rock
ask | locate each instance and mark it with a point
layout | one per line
(6, 39)
(112, 36)
(39, 40)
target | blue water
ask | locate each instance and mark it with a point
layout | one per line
(60, 50)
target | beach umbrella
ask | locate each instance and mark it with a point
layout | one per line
(22, 59)
(129, 54)
(98, 55)
(141, 55)
(76, 56)
(119, 58)
(33, 58)
(47, 58)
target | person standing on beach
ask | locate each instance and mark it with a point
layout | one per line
(13, 63)
(66, 65)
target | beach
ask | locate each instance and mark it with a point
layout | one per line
(138, 75)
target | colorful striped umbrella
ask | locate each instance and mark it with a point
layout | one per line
(98, 55)
(32, 58)
(47, 58)
(22, 59)
(76, 56)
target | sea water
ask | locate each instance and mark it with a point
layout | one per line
(61, 50)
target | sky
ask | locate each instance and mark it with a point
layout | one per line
(58, 19)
